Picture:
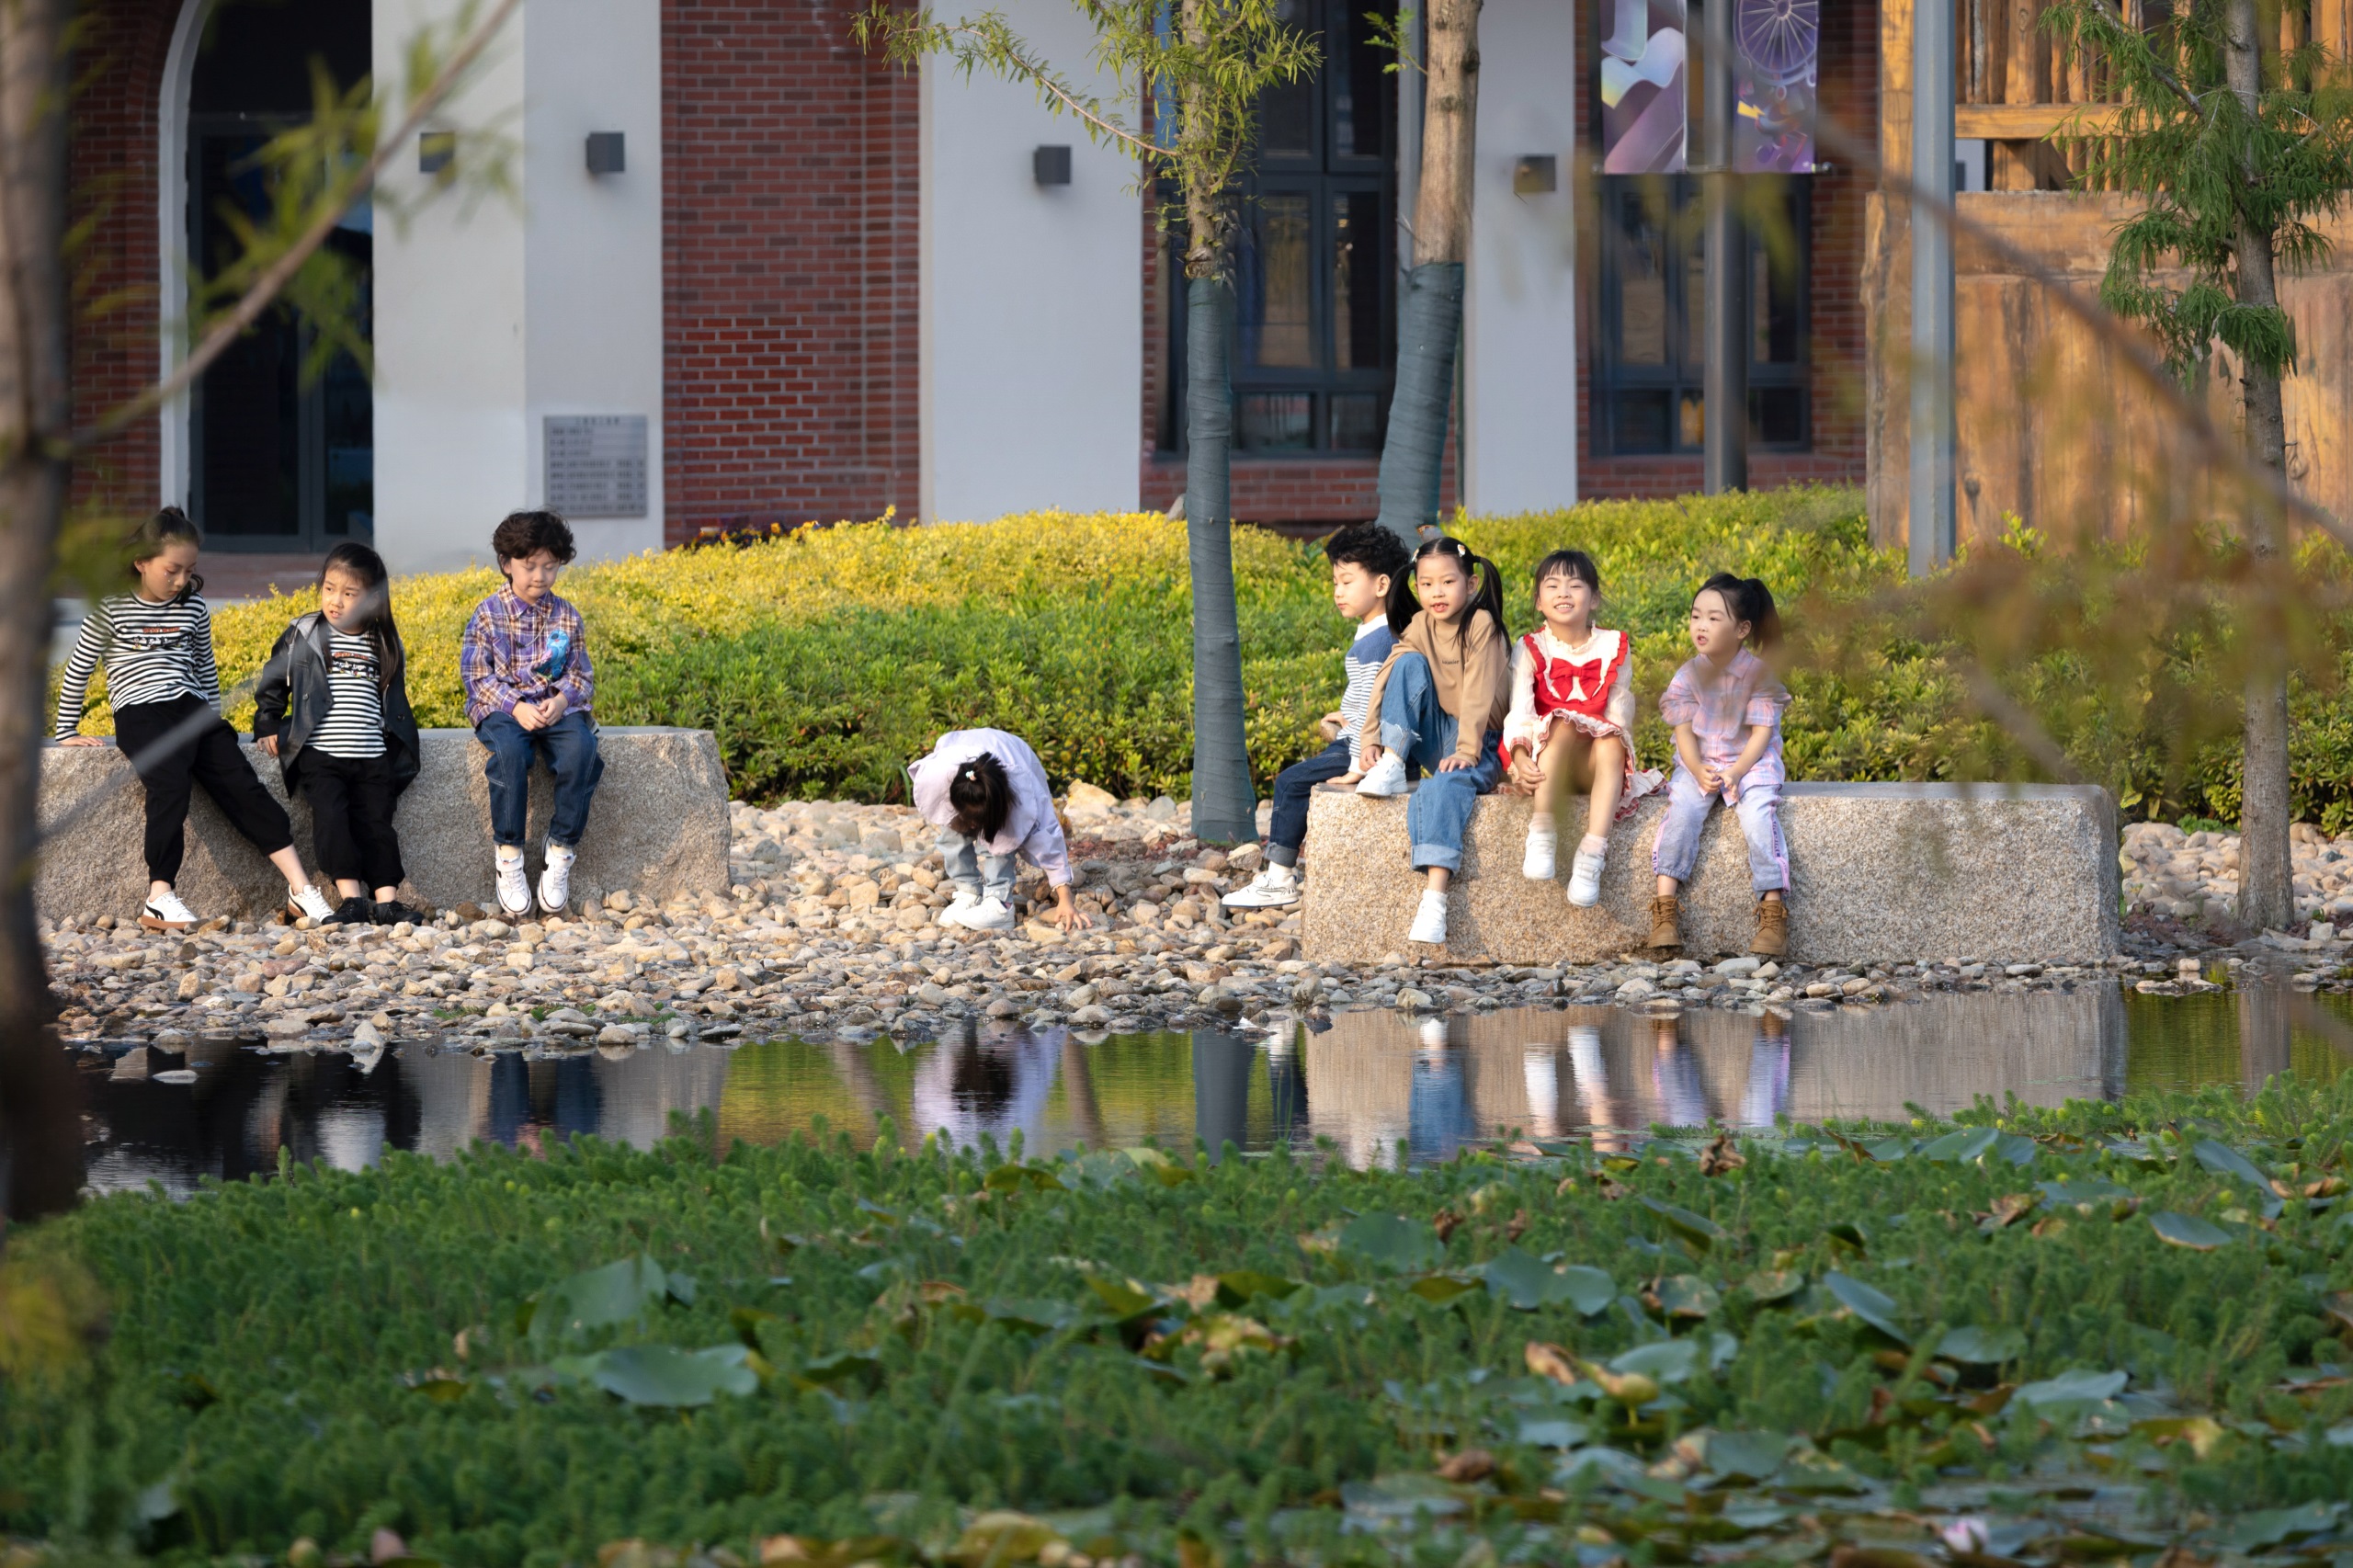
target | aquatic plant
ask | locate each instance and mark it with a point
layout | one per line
(1839, 1335)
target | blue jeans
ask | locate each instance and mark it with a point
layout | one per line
(1292, 786)
(983, 876)
(570, 746)
(1423, 733)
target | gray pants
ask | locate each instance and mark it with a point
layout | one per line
(983, 876)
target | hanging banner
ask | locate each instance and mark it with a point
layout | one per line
(1778, 50)
(1644, 78)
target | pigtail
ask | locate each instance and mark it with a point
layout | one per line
(980, 796)
(1490, 598)
(1404, 604)
(1748, 599)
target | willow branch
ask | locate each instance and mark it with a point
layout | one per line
(268, 287)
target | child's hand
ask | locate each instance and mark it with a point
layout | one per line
(1352, 776)
(1365, 761)
(267, 744)
(1732, 791)
(1067, 914)
(528, 715)
(554, 707)
(1713, 780)
(81, 740)
(1526, 768)
(1456, 764)
(1330, 725)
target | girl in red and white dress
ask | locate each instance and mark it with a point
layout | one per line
(1572, 721)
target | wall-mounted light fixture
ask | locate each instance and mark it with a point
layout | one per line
(1535, 175)
(437, 151)
(607, 152)
(1050, 166)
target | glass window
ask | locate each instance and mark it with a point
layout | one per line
(1316, 266)
(1649, 351)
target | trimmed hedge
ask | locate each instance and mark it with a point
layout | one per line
(826, 659)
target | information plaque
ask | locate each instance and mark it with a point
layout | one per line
(597, 464)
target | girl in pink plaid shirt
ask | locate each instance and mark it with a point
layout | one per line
(1726, 708)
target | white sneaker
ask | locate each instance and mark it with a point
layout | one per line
(959, 914)
(555, 882)
(1584, 879)
(312, 903)
(1543, 846)
(1386, 776)
(164, 912)
(989, 915)
(1270, 889)
(514, 883)
(1430, 920)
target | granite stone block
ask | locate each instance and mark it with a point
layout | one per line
(658, 828)
(1878, 871)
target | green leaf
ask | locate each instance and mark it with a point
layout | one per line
(2273, 1527)
(839, 1365)
(1527, 1284)
(1669, 1361)
(1698, 1230)
(1848, 1234)
(746, 1322)
(2187, 1231)
(1550, 1432)
(1441, 1288)
(1242, 1286)
(1871, 1306)
(2070, 1388)
(2224, 1159)
(1982, 1347)
(1768, 1284)
(1745, 1456)
(599, 1298)
(1123, 1299)
(1391, 1241)
(1961, 1147)
(1031, 1315)
(1687, 1296)
(664, 1375)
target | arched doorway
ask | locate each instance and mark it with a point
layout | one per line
(275, 461)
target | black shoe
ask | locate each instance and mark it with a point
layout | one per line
(353, 912)
(392, 912)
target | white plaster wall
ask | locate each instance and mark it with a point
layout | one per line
(493, 311)
(1032, 339)
(1520, 311)
(593, 266)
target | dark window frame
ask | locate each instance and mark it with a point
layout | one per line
(1619, 387)
(1324, 174)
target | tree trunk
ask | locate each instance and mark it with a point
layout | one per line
(1412, 453)
(41, 1125)
(2267, 879)
(1225, 803)
(1225, 806)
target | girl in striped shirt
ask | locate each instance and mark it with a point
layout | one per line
(156, 645)
(333, 708)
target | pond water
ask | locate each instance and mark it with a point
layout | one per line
(1370, 1081)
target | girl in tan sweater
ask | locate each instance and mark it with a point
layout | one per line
(1437, 708)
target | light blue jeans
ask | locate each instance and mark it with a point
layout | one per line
(1759, 809)
(1423, 735)
(983, 876)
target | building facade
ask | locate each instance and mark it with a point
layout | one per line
(747, 273)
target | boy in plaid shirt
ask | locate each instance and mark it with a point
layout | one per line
(524, 663)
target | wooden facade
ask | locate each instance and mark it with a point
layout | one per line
(2052, 428)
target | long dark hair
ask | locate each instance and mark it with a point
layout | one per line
(1750, 600)
(375, 606)
(149, 540)
(1403, 605)
(982, 797)
(1564, 562)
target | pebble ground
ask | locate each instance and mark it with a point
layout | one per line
(831, 930)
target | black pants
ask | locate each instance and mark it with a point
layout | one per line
(351, 818)
(209, 756)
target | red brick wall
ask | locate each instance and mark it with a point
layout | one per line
(1849, 89)
(110, 195)
(789, 268)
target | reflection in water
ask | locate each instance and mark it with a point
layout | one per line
(1366, 1082)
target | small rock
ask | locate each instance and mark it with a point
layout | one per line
(1089, 1016)
(616, 1034)
(1740, 967)
(1637, 990)
(366, 1036)
(287, 1027)
(1246, 857)
(1414, 1000)
(1001, 1009)
(1089, 799)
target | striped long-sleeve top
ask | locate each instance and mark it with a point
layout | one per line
(153, 654)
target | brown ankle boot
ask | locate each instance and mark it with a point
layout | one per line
(1772, 928)
(1665, 909)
